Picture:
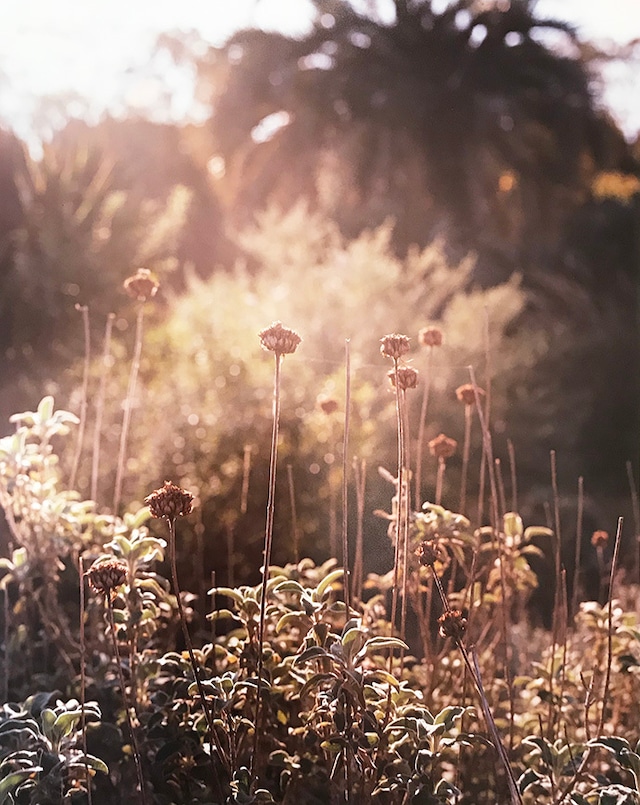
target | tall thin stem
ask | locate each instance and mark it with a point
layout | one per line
(295, 533)
(128, 406)
(345, 481)
(514, 475)
(406, 509)
(466, 450)
(421, 428)
(268, 540)
(97, 428)
(400, 496)
(213, 736)
(578, 553)
(83, 681)
(442, 464)
(607, 678)
(134, 740)
(359, 471)
(84, 395)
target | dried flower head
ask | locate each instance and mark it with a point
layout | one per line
(394, 345)
(599, 539)
(170, 501)
(327, 405)
(105, 575)
(279, 339)
(407, 377)
(429, 552)
(142, 285)
(430, 337)
(467, 393)
(442, 447)
(452, 624)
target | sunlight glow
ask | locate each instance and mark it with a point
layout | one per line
(96, 55)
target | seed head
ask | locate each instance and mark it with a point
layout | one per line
(407, 377)
(142, 285)
(452, 624)
(327, 405)
(394, 345)
(429, 552)
(170, 501)
(430, 337)
(106, 574)
(442, 447)
(279, 339)
(467, 393)
(599, 539)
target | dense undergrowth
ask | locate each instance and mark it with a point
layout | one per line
(423, 684)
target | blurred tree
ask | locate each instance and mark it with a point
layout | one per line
(464, 122)
(74, 238)
(149, 160)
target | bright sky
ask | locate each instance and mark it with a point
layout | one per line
(98, 49)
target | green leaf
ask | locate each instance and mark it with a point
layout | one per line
(375, 644)
(228, 592)
(292, 619)
(45, 408)
(9, 783)
(313, 653)
(48, 718)
(448, 716)
(328, 581)
(221, 614)
(290, 587)
(65, 723)
(379, 675)
(92, 762)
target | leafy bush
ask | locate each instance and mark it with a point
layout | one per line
(350, 709)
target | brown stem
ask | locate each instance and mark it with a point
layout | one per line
(578, 553)
(399, 494)
(268, 540)
(466, 450)
(421, 428)
(83, 682)
(128, 405)
(134, 740)
(97, 428)
(83, 399)
(440, 479)
(246, 472)
(295, 534)
(213, 736)
(607, 678)
(359, 471)
(345, 482)
(514, 475)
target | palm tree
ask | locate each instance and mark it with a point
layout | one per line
(462, 121)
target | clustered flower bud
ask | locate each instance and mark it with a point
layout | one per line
(106, 574)
(452, 624)
(327, 405)
(429, 552)
(407, 377)
(467, 393)
(394, 345)
(142, 285)
(170, 501)
(279, 339)
(442, 447)
(430, 337)
(599, 539)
